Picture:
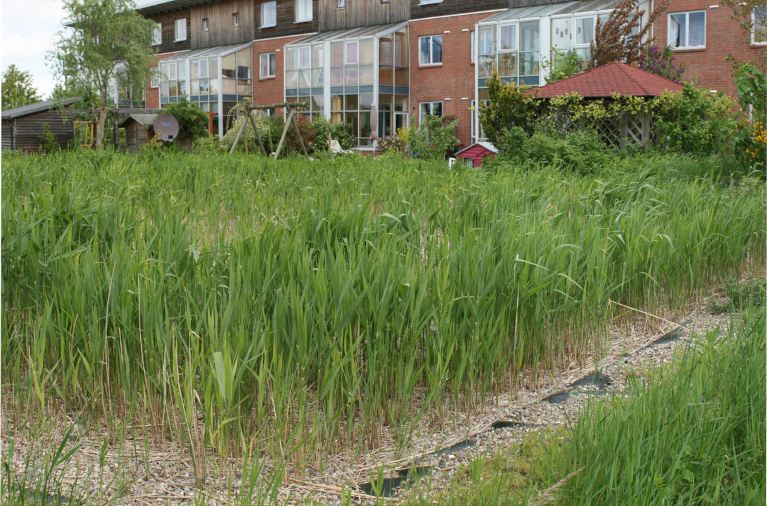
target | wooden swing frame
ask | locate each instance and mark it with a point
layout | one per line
(291, 120)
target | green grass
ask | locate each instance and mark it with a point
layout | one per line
(692, 433)
(315, 304)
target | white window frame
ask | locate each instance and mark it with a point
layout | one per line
(341, 4)
(429, 2)
(270, 8)
(272, 56)
(154, 77)
(157, 34)
(298, 60)
(180, 27)
(431, 62)
(753, 26)
(422, 116)
(352, 57)
(687, 30)
(310, 17)
(235, 19)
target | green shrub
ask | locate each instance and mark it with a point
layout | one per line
(192, 121)
(49, 143)
(269, 130)
(509, 106)
(695, 122)
(580, 150)
(433, 138)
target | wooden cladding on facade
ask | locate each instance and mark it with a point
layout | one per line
(220, 23)
(168, 22)
(419, 10)
(286, 20)
(358, 13)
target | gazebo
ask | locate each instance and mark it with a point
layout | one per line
(606, 81)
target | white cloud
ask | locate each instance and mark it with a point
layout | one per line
(29, 29)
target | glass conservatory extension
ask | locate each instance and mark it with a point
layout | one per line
(343, 74)
(215, 78)
(517, 43)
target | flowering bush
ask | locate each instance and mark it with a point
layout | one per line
(393, 143)
(749, 136)
(660, 61)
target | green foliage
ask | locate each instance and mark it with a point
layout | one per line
(695, 121)
(49, 143)
(192, 121)
(580, 150)
(103, 33)
(18, 89)
(509, 106)
(433, 138)
(342, 132)
(209, 144)
(562, 65)
(623, 35)
(269, 129)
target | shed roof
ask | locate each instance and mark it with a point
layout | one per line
(146, 120)
(604, 81)
(45, 105)
(487, 145)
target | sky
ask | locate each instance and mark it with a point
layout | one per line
(28, 32)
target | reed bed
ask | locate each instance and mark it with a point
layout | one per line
(224, 298)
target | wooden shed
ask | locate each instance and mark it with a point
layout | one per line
(139, 129)
(476, 152)
(23, 127)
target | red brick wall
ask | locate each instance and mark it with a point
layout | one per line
(153, 94)
(724, 37)
(270, 90)
(454, 79)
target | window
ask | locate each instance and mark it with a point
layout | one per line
(473, 46)
(157, 35)
(303, 11)
(759, 29)
(429, 109)
(268, 63)
(430, 50)
(351, 53)
(235, 19)
(529, 46)
(268, 14)
(180, 29)
(485, 43)
(154, 77)
(204, 24)
(341, 4)
(427, 2)
(687, 30)
(507, 50)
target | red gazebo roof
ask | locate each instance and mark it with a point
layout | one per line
(603, 82)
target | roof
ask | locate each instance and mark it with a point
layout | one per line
(145, 120)
(45, 105)
(208, 52)
(551, 9)
(604, 81)
(351, 33)
(487, 145)
(163, 6)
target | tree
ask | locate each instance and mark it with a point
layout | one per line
(509, 106)
(17, 88)
(103, 35)
(192, 121)
(622, 36)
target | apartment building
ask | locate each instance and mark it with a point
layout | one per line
(401, 59)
